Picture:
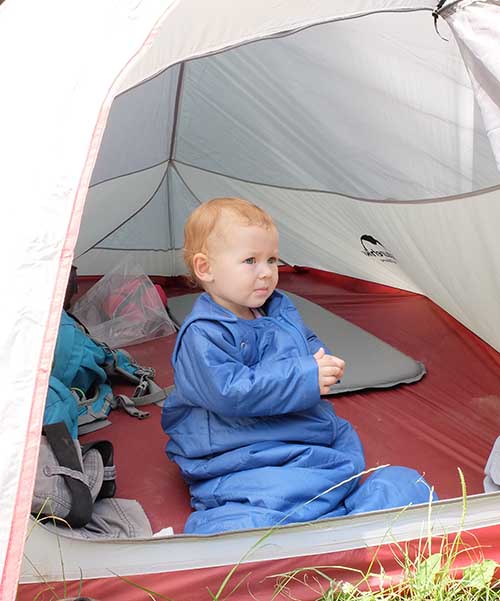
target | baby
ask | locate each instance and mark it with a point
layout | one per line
(237, 265)
(248, 428)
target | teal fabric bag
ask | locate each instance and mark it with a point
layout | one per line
(61, 406)
(80, 390)
(78, 360)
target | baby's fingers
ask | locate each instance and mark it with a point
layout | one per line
(319, 354)
(332, 360)
(326, 385)
(327, 379)
(330, 370)
(335, 362)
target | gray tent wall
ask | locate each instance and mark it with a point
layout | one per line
(312, 124)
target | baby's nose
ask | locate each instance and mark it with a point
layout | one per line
(265, 270)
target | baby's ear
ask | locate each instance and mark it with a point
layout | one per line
(201, 267)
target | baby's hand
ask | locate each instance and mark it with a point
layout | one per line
(330, 370)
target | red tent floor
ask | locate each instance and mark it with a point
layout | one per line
(449, 419)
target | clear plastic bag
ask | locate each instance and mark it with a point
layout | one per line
(124, 308)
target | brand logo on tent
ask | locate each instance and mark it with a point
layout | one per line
(373, 248)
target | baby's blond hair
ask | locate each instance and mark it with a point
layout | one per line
(204, 219)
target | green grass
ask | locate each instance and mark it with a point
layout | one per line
(443, 568)
(428, 577)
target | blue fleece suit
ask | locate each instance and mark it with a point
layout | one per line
(253, 439)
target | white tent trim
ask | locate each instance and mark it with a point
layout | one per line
(104, 559)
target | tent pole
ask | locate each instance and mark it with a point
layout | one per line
(173, 138)
(178, 94)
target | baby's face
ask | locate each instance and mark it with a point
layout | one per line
(244, 266)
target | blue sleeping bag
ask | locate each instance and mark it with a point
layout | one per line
(253, 439)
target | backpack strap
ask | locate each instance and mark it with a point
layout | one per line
(63, 447)
(97, 407)
(128, 405)
(147, 392)
(93, 426)
(118, 364)
(121, 364)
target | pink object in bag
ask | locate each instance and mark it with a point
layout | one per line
(131, 297)
(124, 307)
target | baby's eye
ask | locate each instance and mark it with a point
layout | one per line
(272, 260)
(250, 260)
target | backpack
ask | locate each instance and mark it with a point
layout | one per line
(71, 477)
(80, 392)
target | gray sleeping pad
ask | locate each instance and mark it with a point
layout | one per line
(370, 362)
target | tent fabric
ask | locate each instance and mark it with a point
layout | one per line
(419, 156)
(288, 134)
(251, 580)
(253, 577)
(371, 362)
(52, 127)
(480, 54)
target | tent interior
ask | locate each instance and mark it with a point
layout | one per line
(447, 420)
(337, 140)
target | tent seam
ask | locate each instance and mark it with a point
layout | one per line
(282, 34)
(141, 170)
(178, 95)
(162, 179)
(438, 199)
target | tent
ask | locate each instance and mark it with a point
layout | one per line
(343, 118)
